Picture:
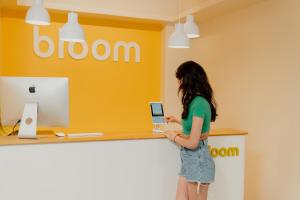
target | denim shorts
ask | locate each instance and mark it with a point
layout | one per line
(197, 165)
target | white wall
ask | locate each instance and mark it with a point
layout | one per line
(252, 58)
(172, 59)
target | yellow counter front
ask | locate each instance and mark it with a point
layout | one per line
(113, 166)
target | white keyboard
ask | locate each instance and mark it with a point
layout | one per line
(84, 134)
(79, 134)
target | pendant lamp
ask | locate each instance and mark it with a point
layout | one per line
(178, 39)
(72, 31)
(37, 14)
(191, 28)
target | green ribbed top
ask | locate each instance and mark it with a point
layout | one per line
(198, 107)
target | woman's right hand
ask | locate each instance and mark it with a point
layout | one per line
(204, 136)
(172, 119)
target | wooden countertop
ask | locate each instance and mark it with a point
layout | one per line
(49, 137)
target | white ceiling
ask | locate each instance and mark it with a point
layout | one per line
(161, 10)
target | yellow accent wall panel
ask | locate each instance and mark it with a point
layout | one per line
(106, 96)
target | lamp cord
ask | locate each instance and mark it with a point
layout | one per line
(179, 10)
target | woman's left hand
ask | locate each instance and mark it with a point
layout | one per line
(170, 135)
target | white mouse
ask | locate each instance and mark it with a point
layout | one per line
(60, 134)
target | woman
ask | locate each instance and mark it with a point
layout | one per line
(199, 109)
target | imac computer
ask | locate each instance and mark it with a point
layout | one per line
(36, 101)
(158, 117)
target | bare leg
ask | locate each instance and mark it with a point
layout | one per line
(203, 190)
(193, 194)
(192, 191)
(182, 193)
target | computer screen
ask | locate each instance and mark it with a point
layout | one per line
(43, 100)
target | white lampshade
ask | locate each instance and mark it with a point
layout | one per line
(191, 28)
(72, 31)
(178, 39)
(37, 14)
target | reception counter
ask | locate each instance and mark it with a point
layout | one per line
(48, 137)
(125, 166)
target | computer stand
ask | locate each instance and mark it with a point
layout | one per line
(28, 122)
(157, 129)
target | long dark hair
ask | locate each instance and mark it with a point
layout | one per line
(194, 82)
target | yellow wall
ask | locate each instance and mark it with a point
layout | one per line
(252, 59)
(104, 95)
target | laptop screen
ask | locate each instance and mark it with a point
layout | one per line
(157, 110)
